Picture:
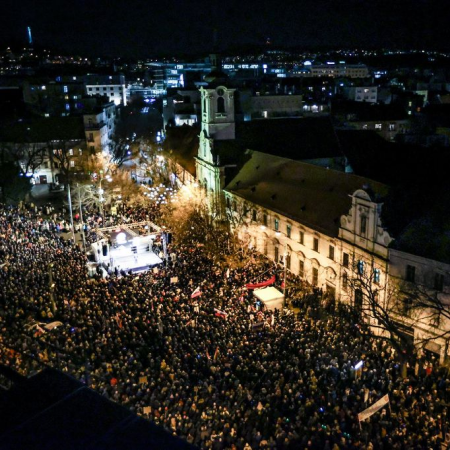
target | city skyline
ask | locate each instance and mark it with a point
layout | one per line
(138, 29)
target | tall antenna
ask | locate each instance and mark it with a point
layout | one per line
(30, 39)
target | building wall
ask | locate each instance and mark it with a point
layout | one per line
(330, 262)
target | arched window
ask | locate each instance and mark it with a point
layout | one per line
(220, 105)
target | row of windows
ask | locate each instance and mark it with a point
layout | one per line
(98, 89)
(438, 281)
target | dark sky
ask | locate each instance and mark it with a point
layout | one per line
(144, 27)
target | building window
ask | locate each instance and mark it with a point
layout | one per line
(345, 281)
(331, 252)
(276, 254)
(301, 237)
(376, 276)
(345, 259)
(89, 89)
(71, 151)
(378, 126)
(410, 273)
(72, 163)
(363, 225)
(254, 215)
(288, 261)
(80, 151)
(301, 268)
(315, 276)
(360, 267)
(439, 282)
(221, 105)
(316, 244)
(288, 230)
(276, 224)
(66, 89)
(265, 220)
(91, 137)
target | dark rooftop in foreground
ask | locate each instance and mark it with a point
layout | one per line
(54, 411)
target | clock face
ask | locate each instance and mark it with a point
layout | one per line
(220, 92)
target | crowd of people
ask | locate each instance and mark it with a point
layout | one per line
(186, 346)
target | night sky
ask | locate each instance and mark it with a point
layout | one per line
(145, 27)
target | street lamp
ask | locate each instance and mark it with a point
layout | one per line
(51, 286)
(101, 191)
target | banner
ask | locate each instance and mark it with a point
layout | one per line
(374, 408)
(262, 284)
(52, 325)
(196, 293)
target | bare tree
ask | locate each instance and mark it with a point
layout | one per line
(29, 156)
(382, 311)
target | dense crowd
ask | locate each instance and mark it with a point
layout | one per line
(216, 370)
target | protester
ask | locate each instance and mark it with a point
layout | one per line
(197, 357)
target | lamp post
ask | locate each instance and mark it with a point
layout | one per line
(51, 287)
(101, 191)
(69, 197)
(81, 218)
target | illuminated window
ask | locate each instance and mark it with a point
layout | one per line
(378, 126)
(360, 267)
(72, 163)
(80, 151)
(376, 276)
(66, 89)
(276, 224)
(71, 151)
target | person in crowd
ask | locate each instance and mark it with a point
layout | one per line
(217, 370)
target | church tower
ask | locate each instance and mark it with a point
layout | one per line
(218, 124)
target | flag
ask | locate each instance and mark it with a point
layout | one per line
(196, 293)
(219, 313)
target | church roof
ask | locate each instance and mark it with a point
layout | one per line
(314, 196)
(297, 139)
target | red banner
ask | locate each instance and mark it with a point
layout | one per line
(262, 284)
